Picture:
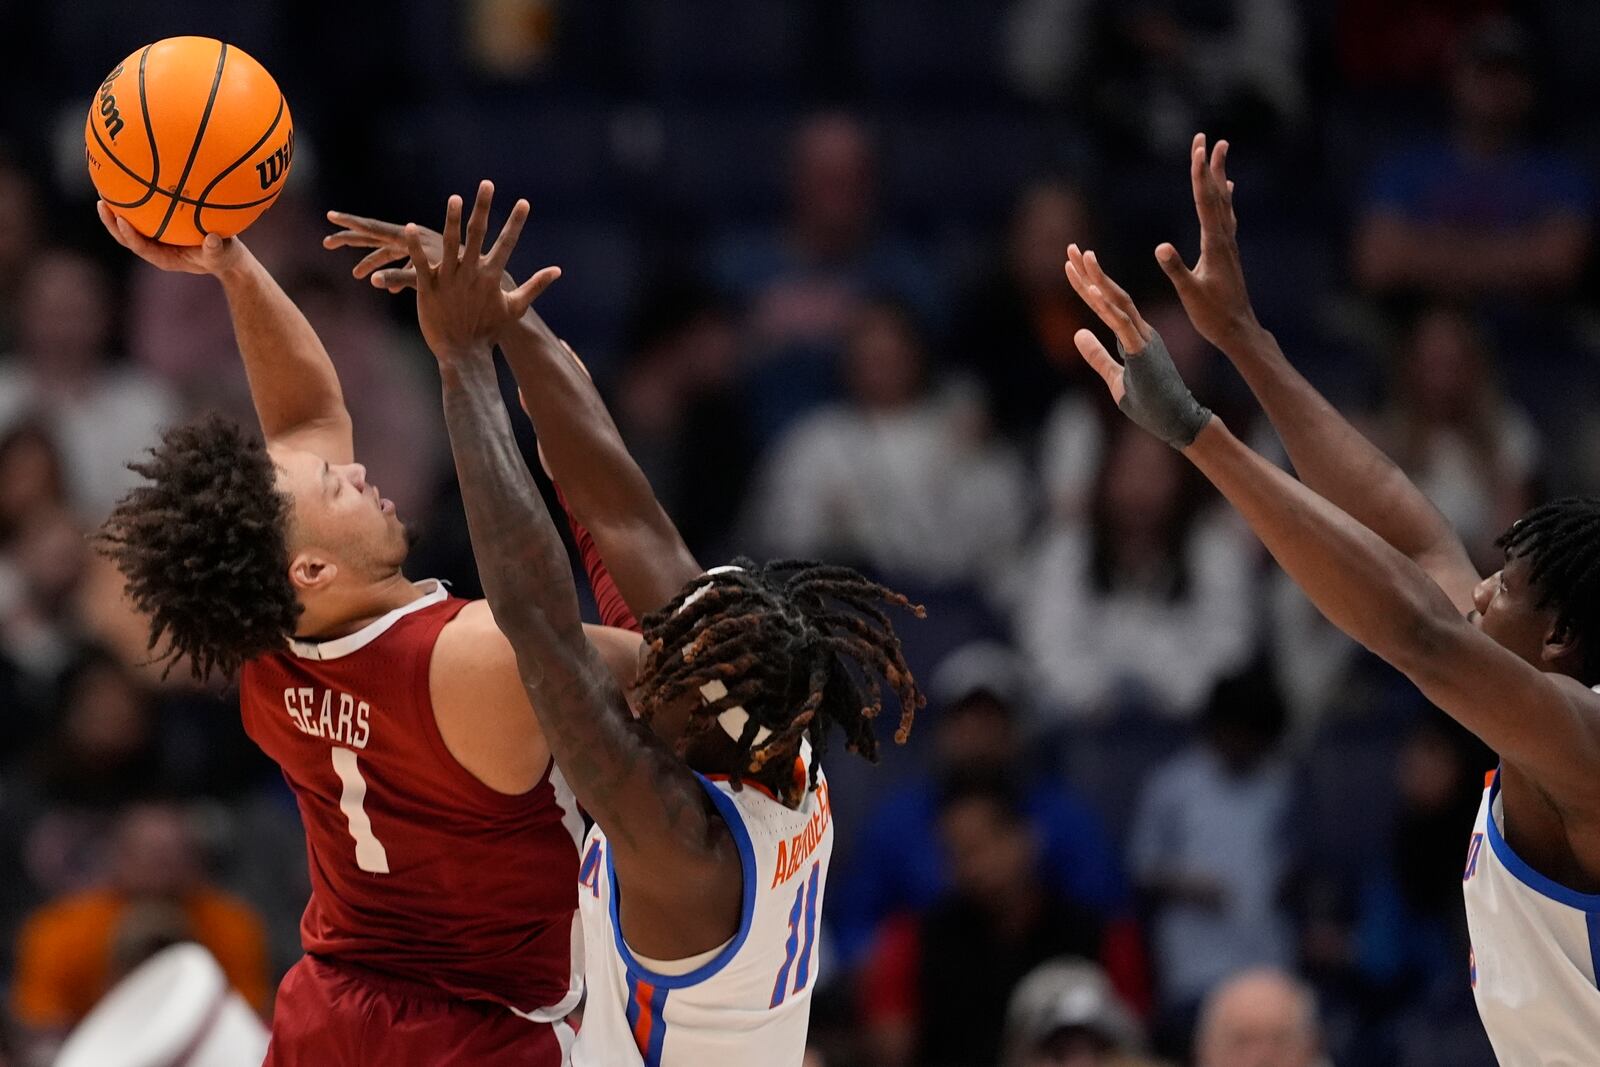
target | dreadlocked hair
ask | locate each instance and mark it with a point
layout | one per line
(1562, 543)
(782, 639)
(203, 546)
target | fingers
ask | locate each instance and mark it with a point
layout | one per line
(1094, 296)
(1197, 174)
(478, 222)
(1101, 302)
(1127, 331)
(419, 258)
(451, 235)
(109, 220)
(1119, 297)
(396, 279)
(1075, 272)
(361, 239)
(525, 294)
(1213, 190)
(510, 234)
(1175, 269)
(1094, 353)
(371, 227)
(131, 238)
(1219, 165)
(373, 260)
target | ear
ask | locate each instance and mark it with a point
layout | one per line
(1560, 647)
(310, 571)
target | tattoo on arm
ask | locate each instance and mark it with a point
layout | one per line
(640, 792)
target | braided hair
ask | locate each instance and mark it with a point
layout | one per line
(780, 639)
(1562, 543)
(203, 546)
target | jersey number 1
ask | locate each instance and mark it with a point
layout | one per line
(805, 903)
(370, 855)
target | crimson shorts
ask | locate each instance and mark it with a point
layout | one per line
(333, 1015)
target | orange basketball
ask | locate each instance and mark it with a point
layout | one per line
(189, 136)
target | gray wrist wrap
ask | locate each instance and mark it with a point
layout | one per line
(1156, 398)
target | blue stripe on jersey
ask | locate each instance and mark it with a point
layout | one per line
(652, 1010)
(658, 1027)
(747, 867)
(632, 1011)
(803, 975)
(1586, 902)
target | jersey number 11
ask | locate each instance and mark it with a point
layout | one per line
(805, 902)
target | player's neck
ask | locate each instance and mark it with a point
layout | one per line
(339, 614)
(714, 753)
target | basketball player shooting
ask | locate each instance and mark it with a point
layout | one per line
(703, 879)
(1511, 657)
(442, 845)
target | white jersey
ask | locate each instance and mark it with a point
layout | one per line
(1535, 947)
(748, 1002)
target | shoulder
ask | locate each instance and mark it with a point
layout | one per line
(473, 640)
(472, 661)
(480, 706)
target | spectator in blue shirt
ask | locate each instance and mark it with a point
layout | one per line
(802, 282)
(899, 865)
(1482, 211)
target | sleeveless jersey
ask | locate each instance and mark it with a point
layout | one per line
(418, 870)
(750, 1003)
(1535, 948)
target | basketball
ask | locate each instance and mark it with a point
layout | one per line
(189, 136)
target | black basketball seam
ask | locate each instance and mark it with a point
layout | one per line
(201, 204)
(194, 149)
(149, 130)
(150, 186)
(153, 188)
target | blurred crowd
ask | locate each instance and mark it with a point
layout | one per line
(1157, 811)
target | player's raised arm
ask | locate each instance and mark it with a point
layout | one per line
(292, 381)
(602, 485)
(1546, 724)
(1330, 454)
(675, 854)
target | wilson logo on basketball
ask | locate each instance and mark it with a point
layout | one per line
(108, 106)
(272, 168)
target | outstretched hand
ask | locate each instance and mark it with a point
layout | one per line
(461, 306)
(387, 240)
(212, 256)
(1213, 293)
(1144, 383)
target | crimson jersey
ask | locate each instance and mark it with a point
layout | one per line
(418, 869)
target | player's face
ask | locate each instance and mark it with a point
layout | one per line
(337, 511)
(1505, 606)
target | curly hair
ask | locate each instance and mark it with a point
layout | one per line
(780, 639)
(204, 549)
(1562, 542)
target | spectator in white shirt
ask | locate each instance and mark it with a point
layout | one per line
(1143, 602)
(102, 414)
(900, 476)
